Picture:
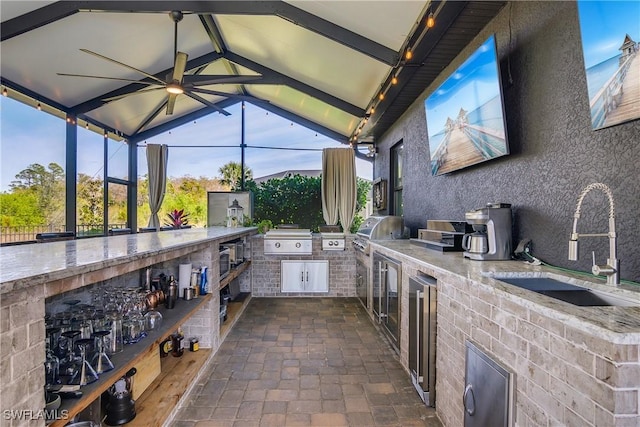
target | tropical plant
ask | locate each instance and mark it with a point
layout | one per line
(177, 218)
(231, 173)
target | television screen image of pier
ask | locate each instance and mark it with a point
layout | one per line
(469, 138)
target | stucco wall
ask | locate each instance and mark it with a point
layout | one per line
(554, 151)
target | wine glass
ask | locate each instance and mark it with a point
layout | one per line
(101, 362)
(85, 374)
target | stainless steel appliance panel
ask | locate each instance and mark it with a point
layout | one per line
(378, 228)
(422, 336)
(288, 242)
(362, 281)
(488, 390)
(225, 262)
(386, 296)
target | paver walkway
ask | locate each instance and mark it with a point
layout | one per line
(305, 362)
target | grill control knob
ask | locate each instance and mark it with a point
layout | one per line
(330, 243)
(298, 245)
(277, 244)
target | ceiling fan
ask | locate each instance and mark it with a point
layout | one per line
(176, 83)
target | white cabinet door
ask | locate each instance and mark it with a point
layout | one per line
(292, 277)
(304, 276)
(317, 276)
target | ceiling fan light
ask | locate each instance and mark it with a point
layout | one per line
(175, 89)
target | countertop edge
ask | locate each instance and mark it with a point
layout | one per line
(23, 256)
(618, 325)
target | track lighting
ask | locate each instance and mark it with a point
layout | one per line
(381, 96)
(431, 21)
(86, 125)
(394, 80)
(39, 107)
(408, 54)
(5, 92)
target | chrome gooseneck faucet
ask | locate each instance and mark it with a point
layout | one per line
(612, 268)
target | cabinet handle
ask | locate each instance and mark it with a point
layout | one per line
(469, 391)
(418, 331)
(302, 276)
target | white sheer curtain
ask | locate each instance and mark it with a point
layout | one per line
(157, 157)
(339, 186)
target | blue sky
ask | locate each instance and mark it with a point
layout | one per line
(604, 25)
(30, 136)
(471, 85)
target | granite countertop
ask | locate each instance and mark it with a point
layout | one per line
(39, 262)
(613, 323)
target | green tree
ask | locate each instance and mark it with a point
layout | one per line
(90, 201)
(48, 186)
(20, 208)
(231, 173)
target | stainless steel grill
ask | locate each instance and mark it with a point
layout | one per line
(296, 241)
(378, 228)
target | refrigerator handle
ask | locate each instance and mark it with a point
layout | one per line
(380, 314)
(419, 296)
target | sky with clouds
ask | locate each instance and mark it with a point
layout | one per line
(604, 25)
(196, 149)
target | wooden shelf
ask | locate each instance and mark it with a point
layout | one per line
(234, 310)
(132, 354)
(161, 397)
(234, 273)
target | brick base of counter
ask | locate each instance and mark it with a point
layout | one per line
(266, 270)
(563, 376)
(22, 350)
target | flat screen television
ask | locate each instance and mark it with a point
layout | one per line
(465, 114)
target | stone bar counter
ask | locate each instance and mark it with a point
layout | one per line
(571, 365)
(31, 273)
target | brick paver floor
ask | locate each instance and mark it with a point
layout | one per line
(305, 362)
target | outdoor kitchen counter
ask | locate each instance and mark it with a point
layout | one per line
(570, 365)
(99, 258)
(615, 324)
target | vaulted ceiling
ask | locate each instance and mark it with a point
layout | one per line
(322, 64)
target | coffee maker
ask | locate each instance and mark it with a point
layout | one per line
(491, 239)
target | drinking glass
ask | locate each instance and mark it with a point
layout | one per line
(85, 374)
(52, 362)
(101, 362)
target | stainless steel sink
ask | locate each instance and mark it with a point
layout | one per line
(567, 292)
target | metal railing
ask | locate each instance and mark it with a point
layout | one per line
(27, 233)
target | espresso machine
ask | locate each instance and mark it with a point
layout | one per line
(491, 239)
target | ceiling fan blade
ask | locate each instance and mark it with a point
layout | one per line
(207, 103)
(155, 113)
(171, 102)
(151, 76)
(109, 78)
(204, 80)
(179, 67)
(228, 95)
(124, 95)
